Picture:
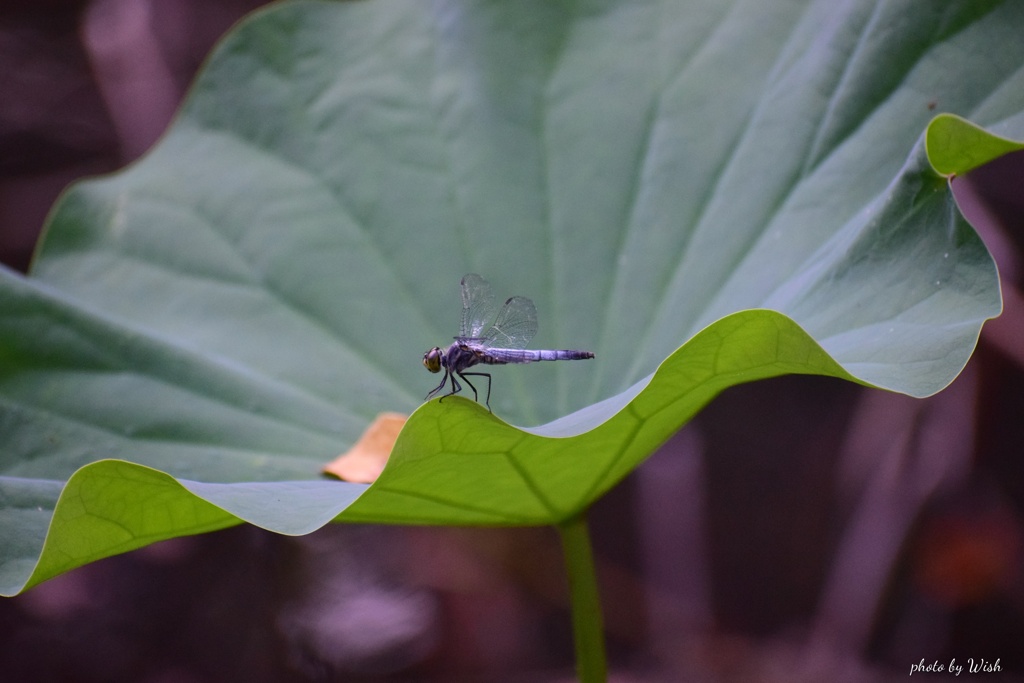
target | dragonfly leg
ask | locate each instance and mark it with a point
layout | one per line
(487, 402)
(463, 376)
(440, 386)
(456, 387)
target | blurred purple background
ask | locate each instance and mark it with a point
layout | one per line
(801, 529)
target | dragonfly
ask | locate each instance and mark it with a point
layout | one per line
(490, 337)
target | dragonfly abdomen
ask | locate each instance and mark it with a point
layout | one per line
(501, 356)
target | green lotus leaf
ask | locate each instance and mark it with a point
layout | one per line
(956, 146)
(703, 193)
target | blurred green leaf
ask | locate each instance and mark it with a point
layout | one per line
(956, 146)
(703, 193)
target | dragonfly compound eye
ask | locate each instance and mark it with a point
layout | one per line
(432, 360)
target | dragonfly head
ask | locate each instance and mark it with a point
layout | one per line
(432, 359)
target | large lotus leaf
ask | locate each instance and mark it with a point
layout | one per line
(703, 193)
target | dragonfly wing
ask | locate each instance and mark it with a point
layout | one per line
(477, 306)
(515, 325)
